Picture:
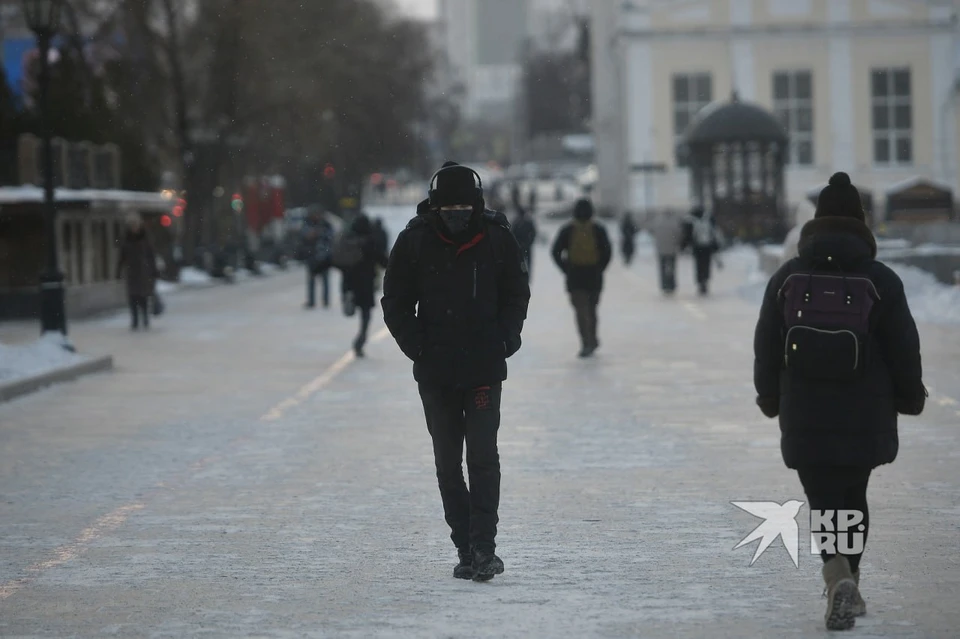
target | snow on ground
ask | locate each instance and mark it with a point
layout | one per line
(191, 276)
(35, 358)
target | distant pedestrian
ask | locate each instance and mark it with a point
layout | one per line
(525, 230)
(138, 265)
(380, 235)
(837, 358)
(628, 238)
(582, 251)
(360, 279)
(316, 239)
(702, 235)
(667, 236)
(455, 298)
(532, 198)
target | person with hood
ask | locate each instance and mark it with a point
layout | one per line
(701, 233)
(455, 298)
(837, 358)
(360, 279)
(628, 238)
(525, 230)
(667, 237)
(138, 263)
(583, 252)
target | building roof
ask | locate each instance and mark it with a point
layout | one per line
(734, 121)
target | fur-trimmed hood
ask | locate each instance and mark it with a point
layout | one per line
(843, 238)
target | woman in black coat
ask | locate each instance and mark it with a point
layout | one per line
(138, 262)
(834, 433)
(361, 278)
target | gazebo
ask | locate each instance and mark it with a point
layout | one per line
(736, 153)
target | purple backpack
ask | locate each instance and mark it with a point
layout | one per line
(827, 319)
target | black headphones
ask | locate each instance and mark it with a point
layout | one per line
(431, 193)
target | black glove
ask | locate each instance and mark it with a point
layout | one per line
(769, 406)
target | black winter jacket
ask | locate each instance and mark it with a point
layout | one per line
(456, 310)
(582, 278)
(830, 423)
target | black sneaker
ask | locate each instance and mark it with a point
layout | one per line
(464, 569)
(486, 565)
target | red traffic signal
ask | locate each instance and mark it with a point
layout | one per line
(329, 171)
(165, 221)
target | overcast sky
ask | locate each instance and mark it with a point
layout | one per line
(420, 8)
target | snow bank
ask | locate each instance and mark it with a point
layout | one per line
(42, 356)
(191, 276)
(930, 300)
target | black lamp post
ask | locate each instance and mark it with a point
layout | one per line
(43, 18)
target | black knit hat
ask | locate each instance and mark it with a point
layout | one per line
(455, 184)
(583, 209)
(840, 198)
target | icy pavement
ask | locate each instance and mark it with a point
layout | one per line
(238, 476)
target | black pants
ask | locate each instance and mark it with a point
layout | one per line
(838, 488)
(585, 305)
(324, 275)
(364, 327)
(454, 416)
(138, 308)
(668, 273)
(703, 257)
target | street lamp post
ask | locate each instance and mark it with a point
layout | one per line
(43, 17)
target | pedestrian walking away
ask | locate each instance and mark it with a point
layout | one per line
(667, 236)
(628, 238)
(455, 299)
(316, 248)
(837, 358)
(525, 230)
(703, 236)
(583, 252)
(138, 264)
(361, 277)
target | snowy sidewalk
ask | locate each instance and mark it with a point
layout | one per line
(244, 479)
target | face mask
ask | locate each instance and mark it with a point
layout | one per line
(456, 221)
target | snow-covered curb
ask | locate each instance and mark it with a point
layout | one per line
(26, 368)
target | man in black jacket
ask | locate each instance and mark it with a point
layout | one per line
(835, 432)
(583, 252)
(455, 297)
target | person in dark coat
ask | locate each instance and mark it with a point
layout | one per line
(138, 264)
(361, 278)
(835, 433)
(583, 252)
(525, 230)
(316, 239)
(455, 298)
(628, 238)
(380, 235)
(701, 234)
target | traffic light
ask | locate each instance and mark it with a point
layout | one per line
(236, 202)
(165, 221)
(329, 171)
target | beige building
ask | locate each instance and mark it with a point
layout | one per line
(871, 87)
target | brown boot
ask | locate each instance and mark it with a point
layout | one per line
(841, 594)
(859, 605)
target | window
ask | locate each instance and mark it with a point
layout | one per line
(793, 104)
(691, 92)
(892, 108)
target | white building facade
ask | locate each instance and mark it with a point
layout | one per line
(864, 86)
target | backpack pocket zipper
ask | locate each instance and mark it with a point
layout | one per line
(856, 343)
